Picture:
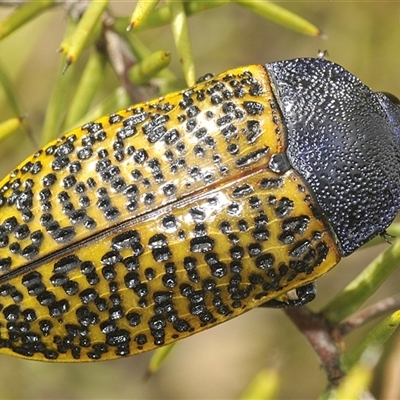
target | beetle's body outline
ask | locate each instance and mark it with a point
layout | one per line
(193, 208)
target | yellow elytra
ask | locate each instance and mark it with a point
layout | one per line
(169, 217)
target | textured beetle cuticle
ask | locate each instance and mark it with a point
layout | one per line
(161, 220)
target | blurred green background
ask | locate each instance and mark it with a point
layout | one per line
(364, 37)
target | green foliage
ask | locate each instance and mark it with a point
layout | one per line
(109, 69)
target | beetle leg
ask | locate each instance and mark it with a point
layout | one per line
(387, 237)
(305, 294)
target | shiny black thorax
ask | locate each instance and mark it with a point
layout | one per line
(344, 140)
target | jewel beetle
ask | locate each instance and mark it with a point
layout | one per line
(169, 217)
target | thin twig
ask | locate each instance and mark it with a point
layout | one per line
(319, 332)
(376, 310)
(121, 59)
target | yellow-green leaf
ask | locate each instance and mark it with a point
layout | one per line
(364, 285)
(158, 358)
(143, 71)
(8, 127)
(56, 107)
(375, 338)
(21, 15)
(162, 15)
(140, 50)
(281, 16)
(141, 12)
(12, 100)
(180, 31)
(117, 100)
(85, 31)
(90, 81)
(264, 386)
